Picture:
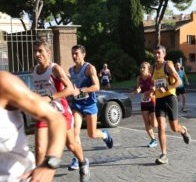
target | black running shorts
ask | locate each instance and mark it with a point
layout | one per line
(150, 109)
(180, 91)
(167, 106)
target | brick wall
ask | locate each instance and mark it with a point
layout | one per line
(64, 37)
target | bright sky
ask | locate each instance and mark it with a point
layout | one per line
(177, 12)
(187, 11)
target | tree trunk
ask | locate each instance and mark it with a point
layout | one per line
(23, 24)
(38, 5)
(159, 17)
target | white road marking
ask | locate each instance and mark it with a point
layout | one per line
(143, 131)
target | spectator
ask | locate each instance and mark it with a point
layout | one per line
(105, 76)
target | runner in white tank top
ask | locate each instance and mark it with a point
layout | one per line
(15, 156)
(17, 163)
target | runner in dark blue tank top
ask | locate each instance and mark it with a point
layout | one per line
(86, 83)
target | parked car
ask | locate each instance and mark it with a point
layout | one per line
(112, 106)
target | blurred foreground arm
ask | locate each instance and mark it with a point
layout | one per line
(17, 95)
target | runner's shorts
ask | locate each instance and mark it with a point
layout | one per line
(180, 90)
(167, 106)
(90, 109)
(150, 109)
(68, 118)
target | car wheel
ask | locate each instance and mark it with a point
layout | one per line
(112, 115)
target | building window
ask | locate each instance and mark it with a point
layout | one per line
(192, 57)
(191, 39)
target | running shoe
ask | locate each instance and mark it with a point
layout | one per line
(85, 172)
(153, 143)
(108, 140)
(162, 159)
(74, 165)
(186, 136)
(183, 109)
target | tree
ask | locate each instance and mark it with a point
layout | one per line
(17, 9)
(14, 8)
(131, 30)
(37, 8)
(160, 6)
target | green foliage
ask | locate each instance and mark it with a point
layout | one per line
(149, 57)
(175, 55)
(14, 8)
(121, 64)
(131, 29)
(124, 84)
(192, 78)
(182, 4)
(111, 30)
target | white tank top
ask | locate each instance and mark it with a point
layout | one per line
(15, 156)
(47, 84)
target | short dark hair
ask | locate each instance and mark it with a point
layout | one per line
(81, 47)
(161, 47)
(42, 41)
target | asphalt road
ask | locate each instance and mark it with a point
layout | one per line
(130, 160)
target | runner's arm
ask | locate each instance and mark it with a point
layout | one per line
(60, 74)
(173, 73)
(92, 73)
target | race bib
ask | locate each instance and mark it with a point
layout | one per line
(42, 92)
(105, 77)
(58, 106)
(144, 99)
(81, 96)
(160, 83)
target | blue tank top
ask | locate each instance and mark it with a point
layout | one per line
(80, 80)
(181, 75)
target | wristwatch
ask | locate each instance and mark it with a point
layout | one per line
(52, 162)
(81, 91)
(51, 97)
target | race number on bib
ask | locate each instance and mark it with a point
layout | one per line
(42, 92)
(160, 83)
(144, 99)
(58, 106)
(81, 96)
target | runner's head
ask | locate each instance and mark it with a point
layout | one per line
(145, 68)
(159, 53)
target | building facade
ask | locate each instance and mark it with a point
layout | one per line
(181, 35)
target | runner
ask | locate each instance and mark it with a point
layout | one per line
(145, 85)
(181, 90)
(15, 155)
(105, 76)
(51, 82)
(166, 80)
(86, 82)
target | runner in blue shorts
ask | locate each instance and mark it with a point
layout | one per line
(84, 103)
